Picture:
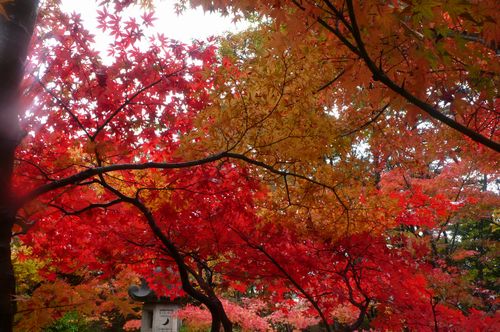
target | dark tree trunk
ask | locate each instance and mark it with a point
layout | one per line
(226, 322)
(16, 28)
(7, 281)
(218, 314)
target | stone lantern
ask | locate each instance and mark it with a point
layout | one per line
(158, 314)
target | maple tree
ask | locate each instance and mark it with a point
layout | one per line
(49, 299)
(249, 179)
(430, 57)
(152, 113)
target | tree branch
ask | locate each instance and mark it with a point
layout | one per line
(129, 100)
(287, 275)
(87, 208)
(64, 106)
(212, 302)
(366, 124)
(379, 74)
(84, 175)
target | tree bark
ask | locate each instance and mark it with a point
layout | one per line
(16, 28)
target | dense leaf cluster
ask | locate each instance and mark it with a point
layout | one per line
(332, 168)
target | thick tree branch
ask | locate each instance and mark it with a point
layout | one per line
(359, 49)
(212, 302)
(333, 30)
(379, 74)
(91, 172)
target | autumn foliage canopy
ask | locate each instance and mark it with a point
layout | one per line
(335, 167)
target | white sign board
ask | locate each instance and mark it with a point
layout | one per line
(164, 320)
